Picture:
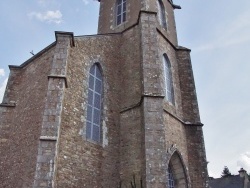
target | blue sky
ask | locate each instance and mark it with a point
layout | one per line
(216, 31)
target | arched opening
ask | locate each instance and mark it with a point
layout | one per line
(161, 13)
(94, 107)
(177, 176)
(169, 90)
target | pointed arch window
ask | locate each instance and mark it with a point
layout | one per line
(176, 173)
(121, 11)
(168, 79)
(93, 127)
(171, 183)
(161, 13)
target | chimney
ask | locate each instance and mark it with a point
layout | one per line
(242, 173)
(244, 176)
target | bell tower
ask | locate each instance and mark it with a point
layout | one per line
(171, 151)
(119, 15)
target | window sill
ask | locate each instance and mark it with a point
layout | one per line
(94, 143)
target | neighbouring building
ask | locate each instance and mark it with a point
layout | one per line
(105, 111)
(232, 181)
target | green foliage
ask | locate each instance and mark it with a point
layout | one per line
(225, 172)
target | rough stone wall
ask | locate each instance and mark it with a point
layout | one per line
(197, 156)
(131, 127)
(170, 31)
(164, 47)
(51, 119)
(176, 136)
(155, 158)
(188, 92)
(171, 26)
(131, 75)
(83, 163)
(107, 16)
(195, 141)
(155, 145)
(132, 147)
(20, 125)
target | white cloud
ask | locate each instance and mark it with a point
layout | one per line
(49, 16)
(2, 73)
(2, 89)
(244, 161)
(86, 2)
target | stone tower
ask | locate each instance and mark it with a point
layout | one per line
(109, 110)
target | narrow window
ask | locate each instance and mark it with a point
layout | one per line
(176, 173)
(168, 79)
(171, 183)
(121, 11)
(93, 127)
(161, 13)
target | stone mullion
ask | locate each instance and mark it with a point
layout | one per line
(47, 149)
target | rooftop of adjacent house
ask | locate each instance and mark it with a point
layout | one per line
(232, 181)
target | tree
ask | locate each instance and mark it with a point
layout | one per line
(225, 172)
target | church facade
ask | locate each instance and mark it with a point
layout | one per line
(112, 110)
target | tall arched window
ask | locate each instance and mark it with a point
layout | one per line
(168, 79)
(161, 13)
(121, 11)
(93, 127)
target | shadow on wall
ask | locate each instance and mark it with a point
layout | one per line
(133, 183)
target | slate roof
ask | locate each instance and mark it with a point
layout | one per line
(228, 182)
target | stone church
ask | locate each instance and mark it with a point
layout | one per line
(113, 110)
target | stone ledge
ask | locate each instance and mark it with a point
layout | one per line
(69, 34)
(60, 77)
(125, 109)
(8, 105)
(48, 138)
(198, 124)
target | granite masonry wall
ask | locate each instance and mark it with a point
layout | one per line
(46, 101)
(107, 19)
(119, 153)
(195, 141)
(21, 119)
(49, 136)
(82, 162)
(131, 124)
(153, 92)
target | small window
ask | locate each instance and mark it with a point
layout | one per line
(168, 79)
(171, 183)
(93, 126)
(121, 11)
(161, 13)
